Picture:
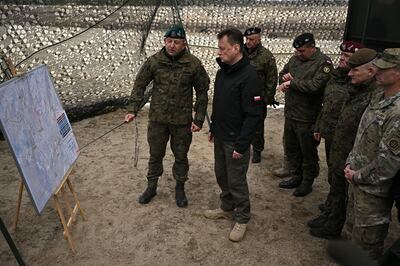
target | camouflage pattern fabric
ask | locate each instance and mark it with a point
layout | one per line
(172, 93)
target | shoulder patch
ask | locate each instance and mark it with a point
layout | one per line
(326, 69)
(393, 142)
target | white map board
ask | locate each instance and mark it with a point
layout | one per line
(38, 132)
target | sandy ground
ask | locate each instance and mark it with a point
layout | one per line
(120, 231)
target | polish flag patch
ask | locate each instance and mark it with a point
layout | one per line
(257, 98)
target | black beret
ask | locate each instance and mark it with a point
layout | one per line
(176, 32)
(303, 39)
(251, 31)
(362, 56)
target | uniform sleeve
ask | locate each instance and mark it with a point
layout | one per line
(284, 71)
(316, 84)
(383, 168)
(252, 107)
(271, 80)
(201, 86)
(143, 78)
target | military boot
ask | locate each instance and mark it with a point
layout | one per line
(237, 232)
(180, 196)
(317, 222)
(150, 192)
(256, 157)
(303, 190)
(322, 232)
(291, 183)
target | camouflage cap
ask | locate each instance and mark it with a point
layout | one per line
(361, 57)
(251, 31)
(388, 59)
(303, 39)
(176, 32)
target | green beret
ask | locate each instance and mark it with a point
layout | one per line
(251, 31)
(303, 39)
(176, 32)
(390, 58)
(361, 57)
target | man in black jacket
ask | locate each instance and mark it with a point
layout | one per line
(237, 110)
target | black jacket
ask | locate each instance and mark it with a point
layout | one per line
(237, 103)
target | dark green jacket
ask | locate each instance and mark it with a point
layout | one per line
(303, 100)
(265, 64)
(172, 93)
(335, 95)
(347, 125)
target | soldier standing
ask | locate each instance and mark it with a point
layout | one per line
(363, 87)
(265, 64)
(303, 80)
(237, 110)
(375, 159)
(335, 95)
(174, 72)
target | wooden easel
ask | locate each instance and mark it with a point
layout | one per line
(10, 71)
(59, 193)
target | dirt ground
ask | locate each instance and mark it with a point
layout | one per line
(120, 231)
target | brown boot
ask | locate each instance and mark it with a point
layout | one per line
(237, 232)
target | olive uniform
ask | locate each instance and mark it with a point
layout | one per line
(171, 106)
(264, 62)
(303, 102)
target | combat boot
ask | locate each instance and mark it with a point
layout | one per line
(180, 196)
(237, 232)
(303, 190)
(317, 222)
(256, 157)
(291, 183)
(323, 233)
(218, 214)
(150, 192)
(282, 171)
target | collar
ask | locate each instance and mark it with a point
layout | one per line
(381, 102)
(235, 67)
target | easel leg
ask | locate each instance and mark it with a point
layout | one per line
(21, 189)
(64, 223)
(71, 188)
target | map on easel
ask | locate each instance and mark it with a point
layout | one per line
(38, 132)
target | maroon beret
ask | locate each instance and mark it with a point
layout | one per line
(350, 46)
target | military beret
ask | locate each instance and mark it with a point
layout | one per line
(251, 31)
(176, 32)
(303, 39)
(361, 57)
(388, 59)
(350, 46)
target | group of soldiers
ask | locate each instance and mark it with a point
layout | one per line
(354, 107)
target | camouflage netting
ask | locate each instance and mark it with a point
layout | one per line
(94, 72)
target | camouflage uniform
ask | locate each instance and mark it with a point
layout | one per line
(343, 140)
(375, 158)
(171, 106)
(264, 62)
(302, 105)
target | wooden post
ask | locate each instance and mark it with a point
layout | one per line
(21, 189)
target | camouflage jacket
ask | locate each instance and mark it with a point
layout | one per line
(172, 93)
(335, 95)
(303, 100)
(376, 152)
(346, 128)
(265, 64)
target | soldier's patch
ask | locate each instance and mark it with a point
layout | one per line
(326, 69)
(394, 145)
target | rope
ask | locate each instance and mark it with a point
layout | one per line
(60, 42)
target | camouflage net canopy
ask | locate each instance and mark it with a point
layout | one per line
(94, 71)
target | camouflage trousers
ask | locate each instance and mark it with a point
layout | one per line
(368, 218)
(258, 140)
(231, 176)
(336, 201)
(158, 135)
(301, 150)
